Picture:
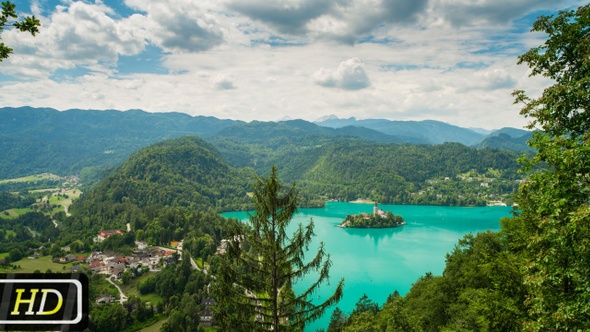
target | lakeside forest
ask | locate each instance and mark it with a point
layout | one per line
(164, 200)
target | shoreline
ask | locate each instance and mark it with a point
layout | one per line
(362, 201)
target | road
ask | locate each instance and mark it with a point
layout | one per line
(122, 297)
(193, 263)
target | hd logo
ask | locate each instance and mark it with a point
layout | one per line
(43, 302)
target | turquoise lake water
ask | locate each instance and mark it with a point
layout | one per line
(377, 262)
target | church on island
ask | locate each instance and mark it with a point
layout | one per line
(378, 219)
(378, 212)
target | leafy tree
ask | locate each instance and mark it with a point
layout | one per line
(254, 288)
(555, 209)
(28, 24)
(108, 317)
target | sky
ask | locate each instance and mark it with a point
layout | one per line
(448, 60)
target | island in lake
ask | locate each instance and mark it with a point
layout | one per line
(377, 219)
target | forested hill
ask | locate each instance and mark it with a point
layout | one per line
(87, 142)
(445, 174)
(38, 140)
(508, 139)
(164, 179)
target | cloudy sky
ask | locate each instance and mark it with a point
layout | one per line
(447, 60)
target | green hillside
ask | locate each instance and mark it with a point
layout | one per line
(508, 139)
(165, 189)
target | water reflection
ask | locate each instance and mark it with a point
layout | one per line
(377, 235)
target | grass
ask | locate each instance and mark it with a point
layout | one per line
(131, 289)
(42, 264)
(155, 327)
(60, 202)
(32, 178)
(14, 213)
(54, 199)
(9, 233)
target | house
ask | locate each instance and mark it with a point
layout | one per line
(224, 243)
(105, 234)
(206, 316)
(141, 245)
(66, 259)
(96, 266)
(105, 299)
(117, 270)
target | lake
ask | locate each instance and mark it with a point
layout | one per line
(377, 262)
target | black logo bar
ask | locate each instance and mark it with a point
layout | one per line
(43, 301)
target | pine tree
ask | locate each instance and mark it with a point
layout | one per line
(254, 288)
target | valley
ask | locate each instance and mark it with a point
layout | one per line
(173, 191)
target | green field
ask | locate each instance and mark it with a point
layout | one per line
(28, 265)
(32, 178)
(155, 327)
(61, 204)
(14, 213)
(131, 289)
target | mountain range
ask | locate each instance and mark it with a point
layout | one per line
(86, 142)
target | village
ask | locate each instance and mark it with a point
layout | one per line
(113, 265)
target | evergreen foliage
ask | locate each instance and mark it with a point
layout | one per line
(254, 288)
(555, 208)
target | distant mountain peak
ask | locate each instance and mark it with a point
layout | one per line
(327, 117)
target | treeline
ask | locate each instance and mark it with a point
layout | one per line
(17, 200)
(25, 186)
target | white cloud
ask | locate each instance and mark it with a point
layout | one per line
(80, 34)
(484, 12)
(237, 59)
(349, 75)
(179, 26)
(224, 82)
